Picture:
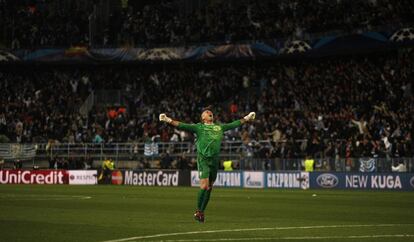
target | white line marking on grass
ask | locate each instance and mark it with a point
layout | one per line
(300, 238)
(82, 197)
(41, 197)
(255, 229)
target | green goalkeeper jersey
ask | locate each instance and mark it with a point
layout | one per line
(209, 136)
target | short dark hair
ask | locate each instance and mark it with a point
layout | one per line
(208, 108)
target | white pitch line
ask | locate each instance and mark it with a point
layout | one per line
(34, 197)
(298, 238)
(254, 229)
(82, 197)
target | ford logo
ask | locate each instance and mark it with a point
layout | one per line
(327, 180)
(412, 182)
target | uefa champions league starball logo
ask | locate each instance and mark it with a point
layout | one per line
(158, 54)
(403, 35)
(7, 57)
(296, 46)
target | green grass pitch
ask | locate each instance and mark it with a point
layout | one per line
(127, 213)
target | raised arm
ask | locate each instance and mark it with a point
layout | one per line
(250, 117)
(178, 124)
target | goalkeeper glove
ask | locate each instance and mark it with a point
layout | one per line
(251, 116)
(164, 118)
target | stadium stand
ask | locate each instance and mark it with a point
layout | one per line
(66, 23)
(346, 106)
(366, 101)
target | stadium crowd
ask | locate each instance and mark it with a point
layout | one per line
(41, 23)
(230, 21)
(349, 106)
(30, 24)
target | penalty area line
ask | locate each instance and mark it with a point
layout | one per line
(253, 229)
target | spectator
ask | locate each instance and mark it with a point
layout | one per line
(310, 105)
(42, 23)
(166, 161)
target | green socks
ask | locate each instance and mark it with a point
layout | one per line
(206, 199)
(202, 199)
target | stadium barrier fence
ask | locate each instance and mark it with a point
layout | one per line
(149, 156)
(313, 180)
(237, 179)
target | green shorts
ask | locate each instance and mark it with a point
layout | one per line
(207, 167)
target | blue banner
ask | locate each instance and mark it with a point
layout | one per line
(328, 45)
(368, 181)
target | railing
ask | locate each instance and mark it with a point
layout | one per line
(230, 149)
(151, 155)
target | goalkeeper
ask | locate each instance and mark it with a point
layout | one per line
(209, 137)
